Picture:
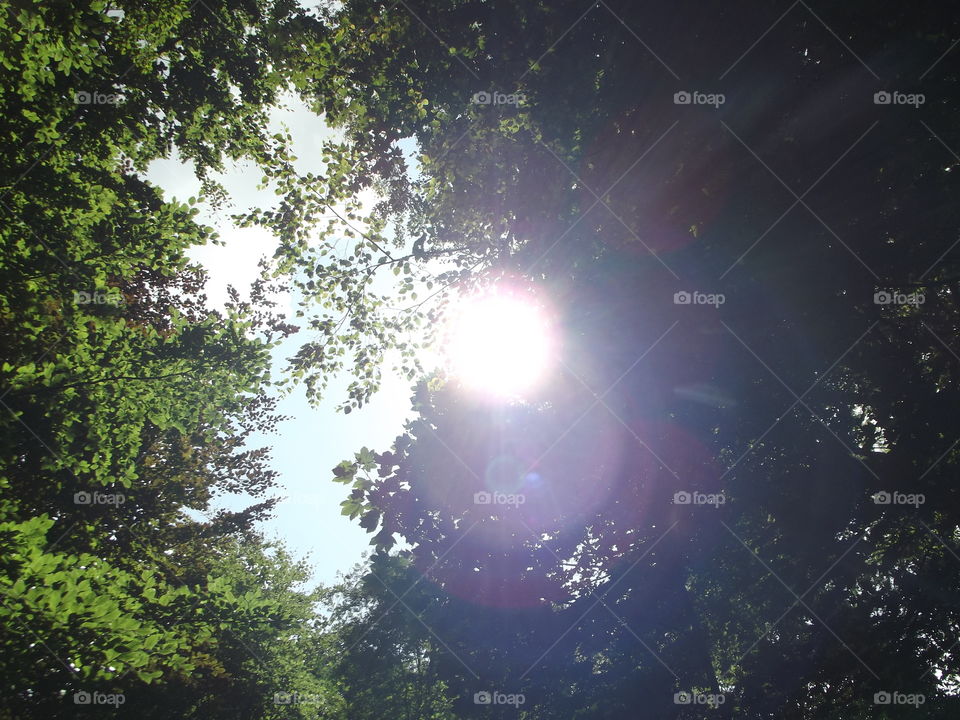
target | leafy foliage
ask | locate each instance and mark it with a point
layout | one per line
(798, 597)
(799, 398)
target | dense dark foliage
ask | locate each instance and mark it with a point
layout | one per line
(802, 202)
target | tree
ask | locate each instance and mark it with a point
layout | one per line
(611, 200)
(125, 400)
(385, 659)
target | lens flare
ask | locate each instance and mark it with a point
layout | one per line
(499, 344)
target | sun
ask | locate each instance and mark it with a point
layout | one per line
(499, 343)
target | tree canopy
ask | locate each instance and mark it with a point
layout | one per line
(739, 492)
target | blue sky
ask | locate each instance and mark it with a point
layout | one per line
(315, 439)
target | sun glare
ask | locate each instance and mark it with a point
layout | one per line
(499, 344)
